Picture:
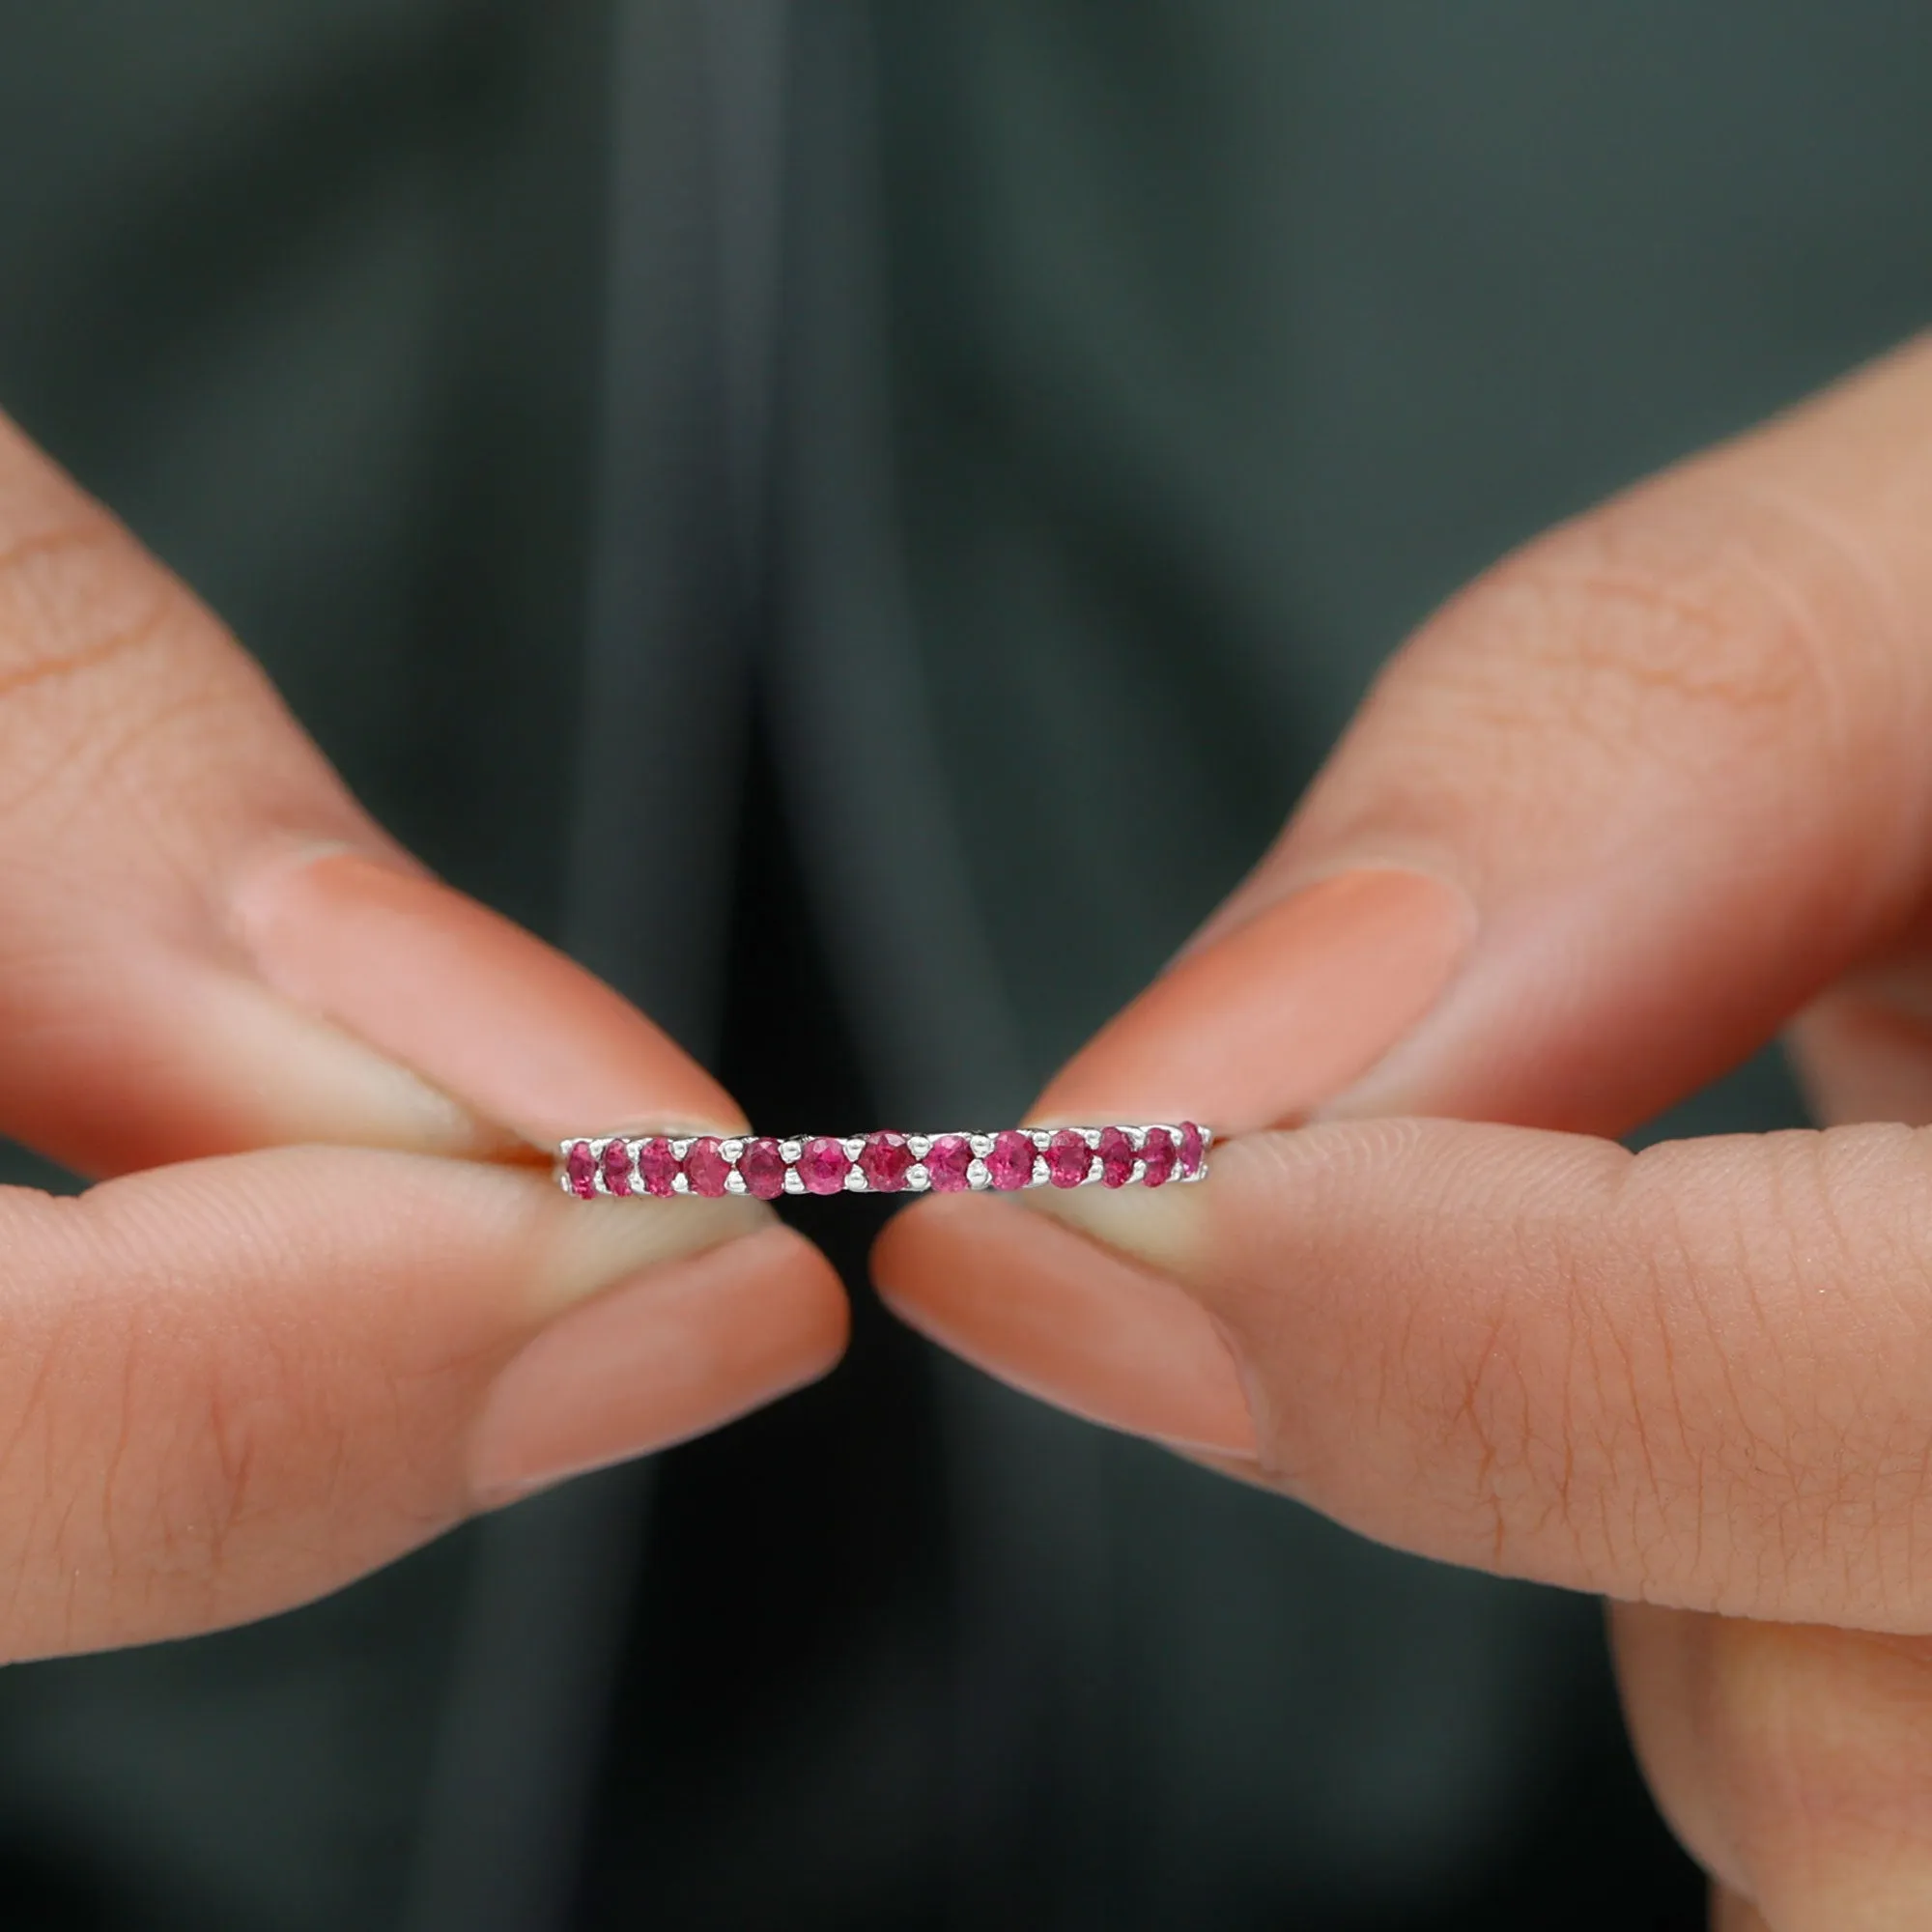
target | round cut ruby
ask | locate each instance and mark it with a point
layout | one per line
(1117, 1156)
(884, 1162)
(1068, 1158)
(946, 1163)
(1159, 1153)
(764, 1168)
(1009, 1165)
(823, 1165)
(1192, 1146)
(705, 1167)
(580, 1170)
(618, 1166)
(656, 1166)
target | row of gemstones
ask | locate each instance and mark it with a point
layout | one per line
(886, 1163)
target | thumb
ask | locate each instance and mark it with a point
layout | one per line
(1618, 812)
(205, 944)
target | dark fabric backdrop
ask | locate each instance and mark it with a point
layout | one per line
(868, 413)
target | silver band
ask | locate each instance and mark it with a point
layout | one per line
(886, 1162)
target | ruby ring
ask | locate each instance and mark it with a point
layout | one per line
(883, 1163)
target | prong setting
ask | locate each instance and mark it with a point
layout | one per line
(629, 1167)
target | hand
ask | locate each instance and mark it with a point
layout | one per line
(240, 1380)
(1652, 789)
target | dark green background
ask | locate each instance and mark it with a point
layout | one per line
(1204, 346)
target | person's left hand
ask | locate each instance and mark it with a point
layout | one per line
(327, 1300)
(1652, 789)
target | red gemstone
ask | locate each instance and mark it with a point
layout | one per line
(1117, 1156)
(1068, 1158)
(1192, 1148)
(1009, 1165)
(580, 1169)
(764, 1168)
(947, 1162)
(618, 1166)
(656, 1166)
(1158, 1151)
(705, 1167)
(884, 1162)
(823, 1165)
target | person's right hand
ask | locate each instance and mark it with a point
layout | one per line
(1652, 789)
(343, 1304)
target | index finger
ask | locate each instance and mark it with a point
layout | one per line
(1700, 1376)
(232, 1384)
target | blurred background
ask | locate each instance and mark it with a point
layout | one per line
(943, 473)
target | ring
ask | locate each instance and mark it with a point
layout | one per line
(883, 1163)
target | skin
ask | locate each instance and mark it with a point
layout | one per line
(334, 1304)
(1653, 791)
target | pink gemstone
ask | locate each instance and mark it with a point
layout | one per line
(1116, 1157)
(656, 1166)
(1192, 1148)
(705, 1167)
(1158, 1152)
(618, 1166)
(1009, 1165)
(884, 1162)
(580, 1169)
(1068, 1158)
(823, 1165)
(764, 1170)
(947, 1162)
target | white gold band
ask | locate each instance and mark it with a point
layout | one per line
(884, 1162)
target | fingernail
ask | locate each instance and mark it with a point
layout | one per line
(1075, 1296)
(1067, 1320)
(478, 1007)
(1280, 1014)
(676, 1350)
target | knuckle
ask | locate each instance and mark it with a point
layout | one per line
(279, 1456)
(1713, 624)
(1743, 1459)
(154, 1479)
(234, 1442)
(1507, 1383)
(175, 1465)
(69, 599)
(1577, 1455)
(1646, 1393)
(1758, 1272)
(103, 657)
